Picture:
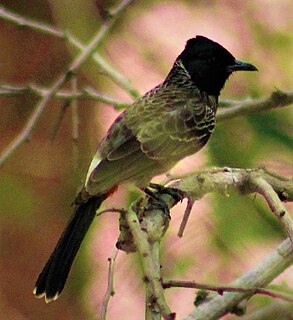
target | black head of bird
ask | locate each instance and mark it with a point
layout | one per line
(209, 64)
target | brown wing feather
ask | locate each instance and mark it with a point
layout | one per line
(185, 123)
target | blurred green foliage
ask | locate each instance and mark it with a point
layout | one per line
(16, 201)
(274, 129)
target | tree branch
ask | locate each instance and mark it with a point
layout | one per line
(143, 237)
(220, 289)
(75, 125)
(110, 289)
(260, 185)
(60, 81)
(105, 67)
(67, 95)
(244, 181)
(216, 305)
(232, 109)
(146, 229)
(277, 99)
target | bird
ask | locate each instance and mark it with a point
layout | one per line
(173, 120)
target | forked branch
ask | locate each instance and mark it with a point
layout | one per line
(274, 188)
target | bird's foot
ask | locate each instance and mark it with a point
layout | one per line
(175, 193)
(178, 195)
(157, 202)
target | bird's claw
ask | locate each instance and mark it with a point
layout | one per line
(175, 193)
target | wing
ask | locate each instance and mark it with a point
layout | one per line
(119, 149)
(161, 128)
(119, 141)
(174, 123)
(119, 158)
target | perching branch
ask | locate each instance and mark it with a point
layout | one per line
(244, 181)
(60, 81)
(149, 227)
(260, 185)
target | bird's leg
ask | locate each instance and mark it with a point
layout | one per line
(158, 203)
(178, 195)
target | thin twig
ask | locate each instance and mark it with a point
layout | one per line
(68, 95)
(106, 68)
(186, 215)
(216, 306)
(24, 22)
(75, 125)
(61, 80)
(221, 289)
(61, 115)
(277, 99)
(91, 93)
(110, 288)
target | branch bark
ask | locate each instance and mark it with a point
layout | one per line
(244, 181)
(145, 243)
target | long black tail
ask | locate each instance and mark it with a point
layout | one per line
(52, 279)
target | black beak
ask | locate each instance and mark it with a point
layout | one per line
(241, 66)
